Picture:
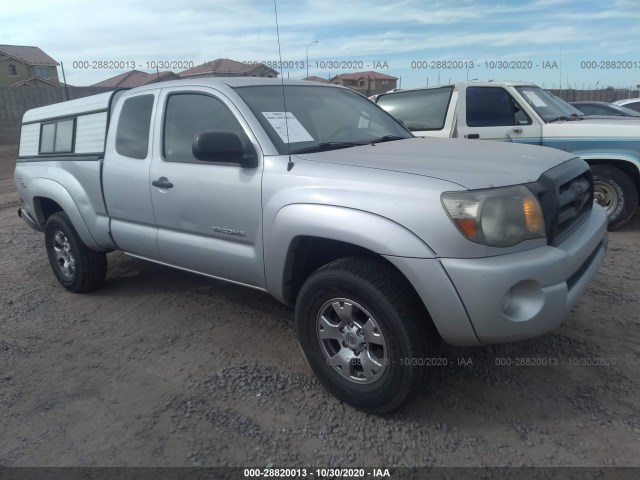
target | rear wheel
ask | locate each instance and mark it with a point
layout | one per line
(616, 192)
(77, 267)
(365, 333)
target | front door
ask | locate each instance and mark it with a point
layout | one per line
(491, 113)
(209, 215)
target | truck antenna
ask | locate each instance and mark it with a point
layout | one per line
(284, 98)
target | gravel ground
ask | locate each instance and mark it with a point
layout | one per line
(165, 368)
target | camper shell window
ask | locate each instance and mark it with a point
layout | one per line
(57, 137)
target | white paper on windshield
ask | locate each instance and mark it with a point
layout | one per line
(297, 133)
(535, 99)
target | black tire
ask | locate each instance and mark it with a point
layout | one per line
(81, 271)
(404, 323)
(616, 192)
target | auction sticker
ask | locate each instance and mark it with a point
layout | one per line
(288, 127)
(535, 99)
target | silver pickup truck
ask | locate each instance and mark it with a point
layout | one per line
(385, 243)
(524, 113)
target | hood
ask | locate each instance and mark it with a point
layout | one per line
(594, 129)
(472, 164)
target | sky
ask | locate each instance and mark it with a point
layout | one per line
(423, 42)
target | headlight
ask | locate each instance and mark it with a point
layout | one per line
(498, 217)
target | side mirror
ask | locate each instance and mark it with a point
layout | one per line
(223, 147)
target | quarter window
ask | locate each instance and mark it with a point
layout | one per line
(57, 137)
(132, 136)
(189, 114)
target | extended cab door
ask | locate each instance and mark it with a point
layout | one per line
(492, 113)
(125, 174)
(209, 215)
(427, 112)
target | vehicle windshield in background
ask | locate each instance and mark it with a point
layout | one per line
(546, 105)
(319, 118)
(419, 110)
(574, 110)
(607, 109)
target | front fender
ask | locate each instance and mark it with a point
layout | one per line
(628, 157)
(363, 229)
(46, 188)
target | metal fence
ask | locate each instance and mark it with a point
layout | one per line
(601, 95)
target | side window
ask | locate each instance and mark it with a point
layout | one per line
(187, 115)
(493, 107)
(57, 137)
(419, 109)
(520, 116)
(134, 123)
(633, 106)
(48, 138)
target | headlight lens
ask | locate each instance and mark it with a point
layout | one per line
(498, 217)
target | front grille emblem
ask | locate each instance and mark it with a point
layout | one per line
(579, 198)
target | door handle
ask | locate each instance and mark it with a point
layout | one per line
(473, 135)
(517, 130)
(162, 182)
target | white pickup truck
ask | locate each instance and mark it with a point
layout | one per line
(524, 113)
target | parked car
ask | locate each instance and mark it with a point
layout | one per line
(604, 108)
(574, 112)
(385, 243)
(631, 103)
(524, 113)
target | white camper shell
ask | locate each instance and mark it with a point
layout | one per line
(73, 128)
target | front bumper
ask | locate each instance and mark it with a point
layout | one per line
(523, 295)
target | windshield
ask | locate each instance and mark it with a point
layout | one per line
(546, 105)
(319, 118)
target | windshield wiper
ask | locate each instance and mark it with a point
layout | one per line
(324, 146)
(572, 117)
(386, 138)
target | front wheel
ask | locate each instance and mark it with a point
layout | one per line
(77, 267)
(364, 332)
(615, 191)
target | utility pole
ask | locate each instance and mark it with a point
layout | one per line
(64, 79)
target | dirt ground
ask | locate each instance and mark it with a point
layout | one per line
(165, 368)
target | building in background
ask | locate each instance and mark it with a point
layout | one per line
(367, 83)
(27, 66)
(136, 78)
(313, 78)
(223, 67)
